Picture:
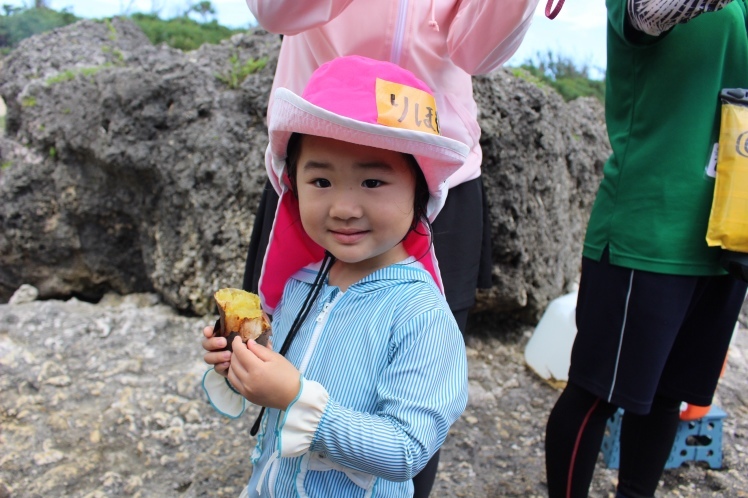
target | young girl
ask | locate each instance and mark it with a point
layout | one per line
(371, 370)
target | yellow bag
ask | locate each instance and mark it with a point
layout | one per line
(728, 221)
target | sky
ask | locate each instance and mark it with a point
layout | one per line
(578, 32)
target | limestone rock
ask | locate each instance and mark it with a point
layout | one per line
(133, 168)
(135, 421)
(24, 294)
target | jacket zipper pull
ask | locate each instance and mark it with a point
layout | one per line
(325, 309)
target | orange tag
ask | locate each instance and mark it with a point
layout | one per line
(406, 107)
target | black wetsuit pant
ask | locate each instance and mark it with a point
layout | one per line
(574, 434)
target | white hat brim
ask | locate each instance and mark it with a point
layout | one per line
(438, 156)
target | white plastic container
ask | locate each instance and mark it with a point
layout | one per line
(548, 352)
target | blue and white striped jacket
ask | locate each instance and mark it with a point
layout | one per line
(384, 376)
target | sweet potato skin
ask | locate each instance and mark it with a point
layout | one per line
(240, 314)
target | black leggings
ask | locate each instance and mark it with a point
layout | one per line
(575, 431)
(424, 480)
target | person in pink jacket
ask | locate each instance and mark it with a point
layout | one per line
(443, 42)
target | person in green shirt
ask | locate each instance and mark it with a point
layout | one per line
(656, 311)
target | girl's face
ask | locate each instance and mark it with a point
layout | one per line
(355, 201)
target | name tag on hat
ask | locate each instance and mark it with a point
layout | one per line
(401, 106)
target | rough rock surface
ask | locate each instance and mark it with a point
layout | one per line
(105, 401)
(135, 168)
(542, 164)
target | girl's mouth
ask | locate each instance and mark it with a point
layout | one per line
(348, 235)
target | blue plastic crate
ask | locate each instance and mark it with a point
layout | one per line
(696, 440)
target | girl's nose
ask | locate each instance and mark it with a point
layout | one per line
(346, 205)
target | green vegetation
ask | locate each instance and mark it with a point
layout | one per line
(70, 74)
(17, 23)
(530, 77)
(182, 32)
(112, 29)
(563, 75)
(66, 75)
(6, 165)
(204, 9)
(118, 55)
(238, 72)
(28, 101)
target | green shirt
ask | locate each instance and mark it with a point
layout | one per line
(662, 112)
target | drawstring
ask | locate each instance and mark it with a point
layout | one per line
(552, 13)
(265, 470)
(432, 21)
(319, 281)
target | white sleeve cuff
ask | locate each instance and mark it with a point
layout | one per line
(224, 398)
(301, 419)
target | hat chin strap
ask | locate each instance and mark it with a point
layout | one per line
(311, 297)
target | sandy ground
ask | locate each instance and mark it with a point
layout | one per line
(105, 400)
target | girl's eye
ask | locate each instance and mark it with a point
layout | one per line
(372, 183)
(321, 183)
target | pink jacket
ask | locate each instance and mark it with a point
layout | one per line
(442, 42)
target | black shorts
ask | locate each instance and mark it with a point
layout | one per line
(462, 242)
(641, 333)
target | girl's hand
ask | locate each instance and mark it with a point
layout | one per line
(262, 376)
(220, 360)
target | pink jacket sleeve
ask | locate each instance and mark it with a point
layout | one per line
(482, 35)
(291, 17)
(485, 33)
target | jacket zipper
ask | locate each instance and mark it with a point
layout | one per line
(321, 321)
(397, 43)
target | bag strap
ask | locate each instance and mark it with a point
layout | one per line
(550, 12)
(736, 96)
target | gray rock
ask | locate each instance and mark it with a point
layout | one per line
(147, 165)
(542, 163)
(136, 168)
(24, 294)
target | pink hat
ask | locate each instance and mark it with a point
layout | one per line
(366, 102)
